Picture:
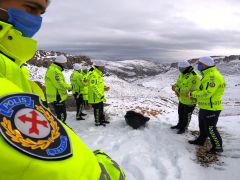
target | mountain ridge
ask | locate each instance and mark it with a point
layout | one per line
(131, 70)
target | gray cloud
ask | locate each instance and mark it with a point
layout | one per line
(148, 29)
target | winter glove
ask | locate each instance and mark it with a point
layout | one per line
(177, 94)
(106, 88)
(189, 95)
(75, 95)
(79, 95)
(174, 87)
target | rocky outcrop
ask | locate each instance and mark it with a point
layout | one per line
(45, 58)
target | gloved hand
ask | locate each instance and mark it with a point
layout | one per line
(79, 95)
(188, 95)
(75, 95)
(177, 94)
(106, 88)
(174, 87)
(85, 81)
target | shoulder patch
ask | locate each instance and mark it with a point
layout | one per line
(212, 84)
(29, 127)
(57, 77)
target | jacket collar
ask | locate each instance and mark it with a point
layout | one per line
(15, 46)
(208, 70)
(77, 71)
(188, 70)
(58, 66)
(98, 71)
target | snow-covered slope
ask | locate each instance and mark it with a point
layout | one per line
(156, 152)
(135, 69)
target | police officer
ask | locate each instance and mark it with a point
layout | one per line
(96, 90)
(188, 80)
(84, 79)
(30, 152)
(209, 100)
(77, 89)
(56, 87)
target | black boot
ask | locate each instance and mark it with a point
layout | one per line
(181, 131)
(100, 124)
(106, 122)
(83, 114)
(215, 150)
(79, 118)
(196, 142)
(175, 127)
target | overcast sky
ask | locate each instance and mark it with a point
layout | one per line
(168, 30)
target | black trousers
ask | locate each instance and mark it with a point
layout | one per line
(184, 115)
(207, 125)
(60, 110)
(79, 104)
(98, 112)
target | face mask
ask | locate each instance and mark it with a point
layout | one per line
(181, 69)
(200, 67)
(65, 66)
(24, 22)
(103, 70)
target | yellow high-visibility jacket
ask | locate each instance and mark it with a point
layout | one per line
(187, 82)
(82, 165)
(55, 84)
(95, 86)
(209, 96)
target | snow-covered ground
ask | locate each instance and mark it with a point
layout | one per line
(156, 152)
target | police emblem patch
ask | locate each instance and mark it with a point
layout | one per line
(29, 127)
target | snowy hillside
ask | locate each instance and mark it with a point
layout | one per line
(134, 69)
(156, 152)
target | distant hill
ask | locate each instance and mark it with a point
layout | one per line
(132, 70)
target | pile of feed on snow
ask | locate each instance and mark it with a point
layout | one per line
(203, 157)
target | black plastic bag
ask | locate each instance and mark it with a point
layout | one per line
(135, 120)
